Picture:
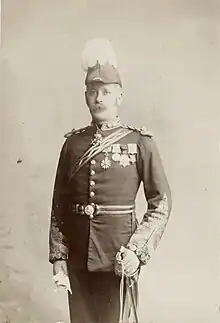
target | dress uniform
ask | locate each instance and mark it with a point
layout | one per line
(93, 212)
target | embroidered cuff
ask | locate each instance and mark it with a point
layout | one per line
(56, 254)
(140, 251)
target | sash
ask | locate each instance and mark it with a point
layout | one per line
(91, 152)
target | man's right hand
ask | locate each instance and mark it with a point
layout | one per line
(60, 265)
(60, 275)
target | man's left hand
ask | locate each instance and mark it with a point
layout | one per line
(128, 260)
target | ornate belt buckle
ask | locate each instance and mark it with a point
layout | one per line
(89, 210)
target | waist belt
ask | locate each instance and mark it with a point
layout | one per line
(92, 209)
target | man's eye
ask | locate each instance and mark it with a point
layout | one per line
(92, 92)
(106, 92)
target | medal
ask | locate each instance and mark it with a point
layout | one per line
(132, 159)
(116, 157)
(106, 162)
(116, 152)
(132, 151)
(124, 160)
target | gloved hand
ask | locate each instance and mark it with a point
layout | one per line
(60, 265)
(128, 260)
(60, 273)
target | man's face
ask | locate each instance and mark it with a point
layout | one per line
(103, 100)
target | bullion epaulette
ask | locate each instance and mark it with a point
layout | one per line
(143, 131)
(75, 131)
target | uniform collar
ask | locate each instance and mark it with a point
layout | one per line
(108, 125)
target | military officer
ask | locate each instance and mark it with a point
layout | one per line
(95, 237)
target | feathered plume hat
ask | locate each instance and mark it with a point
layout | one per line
(99, 62)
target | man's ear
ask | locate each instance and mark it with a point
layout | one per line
(86, 99)
(120, 97)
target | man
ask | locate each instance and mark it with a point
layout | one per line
(94, 236)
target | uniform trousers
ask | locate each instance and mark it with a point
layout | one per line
(95, 297)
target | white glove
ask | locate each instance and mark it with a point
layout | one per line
(61, 280)
(128, 260)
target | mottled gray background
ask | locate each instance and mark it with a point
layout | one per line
(168, 54)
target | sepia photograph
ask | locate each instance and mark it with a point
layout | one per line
(109, 161)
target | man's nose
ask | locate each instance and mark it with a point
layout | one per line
(99, 97)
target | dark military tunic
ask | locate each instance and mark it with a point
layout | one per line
(90, 245)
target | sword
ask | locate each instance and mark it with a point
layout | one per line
(129, 287)
(132, 297)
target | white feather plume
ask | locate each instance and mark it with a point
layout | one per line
(98, 49)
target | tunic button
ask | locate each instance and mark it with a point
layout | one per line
(92, 183)
(92, 172)
(93, 162)
(92, 194)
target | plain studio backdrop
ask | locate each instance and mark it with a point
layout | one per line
(168, 53)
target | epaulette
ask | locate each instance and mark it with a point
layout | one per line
(75, 131)
(143, 131)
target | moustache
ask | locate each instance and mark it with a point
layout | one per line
(98, 108)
